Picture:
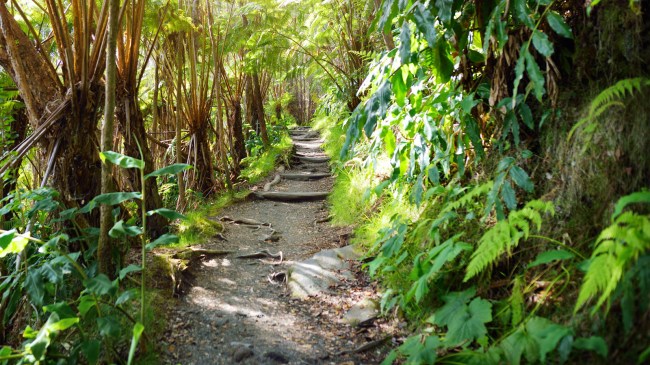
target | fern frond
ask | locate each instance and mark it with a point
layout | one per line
(610, 97)
(617, 249)
(505, 235)
(468, 197)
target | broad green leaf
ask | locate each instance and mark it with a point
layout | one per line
(405, 43)
(472, 129)
(376, 107)
(535, 75)
(556, 22)
(121, 160)
(594, 343)
(518, 343)
(35, 287)
(542, 44)
(62, 309)
(41, 341)
(167, 213)
(468, 324)
(443, 65)
(16, 245)
(126, 296)
(86, 303)
(6, 238)
(522, 13)
(550, 256)
(135, 338)
(399, 88)
(547, 334)
(526, 115)
(120, 229)
(63, 324)
(521, 178)
(420, 349)
(424, 21)
(520, 67)
(169, 170)
(444, 9)
(129, 269)
(388, 12)
(453, 302)
(117, 197)
(508, 195)
(100, 285)
(165, 239)
(109, 326)
(91, 350)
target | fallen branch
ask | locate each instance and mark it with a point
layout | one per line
(275, 180)
(261, 254)
(192, 254)
(244, 221)
(365, 347)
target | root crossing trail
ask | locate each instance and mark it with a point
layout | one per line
(239, 308)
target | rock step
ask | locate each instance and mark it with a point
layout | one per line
(292, 196)
(304, 177)
(312, 159)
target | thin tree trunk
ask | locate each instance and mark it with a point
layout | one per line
(258, 104)
(105, 246)
(180, 205)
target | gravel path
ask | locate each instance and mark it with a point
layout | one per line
(239, 309)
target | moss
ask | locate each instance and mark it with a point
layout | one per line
(257, 168)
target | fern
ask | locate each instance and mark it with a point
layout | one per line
(607, 98)
(617, 249)
(468, 198)
(505, 235)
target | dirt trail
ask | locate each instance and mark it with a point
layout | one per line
(239, 310)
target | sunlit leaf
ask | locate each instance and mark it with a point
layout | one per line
(424, 21)
(550, 256)
(165, 239)
(121, 160)
(169, 170)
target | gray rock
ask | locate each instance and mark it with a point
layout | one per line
(318, 273)
(362, 311)
(242, 353)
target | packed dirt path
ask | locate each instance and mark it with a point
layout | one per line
(239, 309)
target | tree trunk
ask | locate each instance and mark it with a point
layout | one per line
(204, 171)
(258, 105)
(131, 126)
(105, 246)
(239, 148)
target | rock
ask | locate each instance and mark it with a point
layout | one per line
(221, 321)
(276, 357)
(242, 353)
(361, 312)
(318, 273)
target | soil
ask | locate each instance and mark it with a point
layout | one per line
(239, 310)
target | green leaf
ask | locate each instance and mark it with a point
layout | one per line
(550, 256)
(594, 343)
(376, 107)
(443, 65)
(86, 303)
(120, 229)
(522, 13)
(556, 22)
(121, 160)
(138, 328)
(10, 243)
(126, 296)
(405, 43)
(453, 302)
(424, 21)
(508, 195)
(535, 75)
(169, 170)
(167, 213)
(526, 115)
(469, 322)
(63, 324)
(165, 239)
(444, 9)
(638, 197)
(521, 178)
(91, 349)
(108, 326)
(116, 198)
(62, 309)
(388, 12)
(100, 285)
(35, 287)
(399, 88)
(129, 269)
(547, 334)
(542, 44)
(520, 67)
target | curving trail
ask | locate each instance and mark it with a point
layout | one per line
(240, 308)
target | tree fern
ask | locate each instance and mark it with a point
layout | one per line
(609, 97)
(617, 249)
(506, 234)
